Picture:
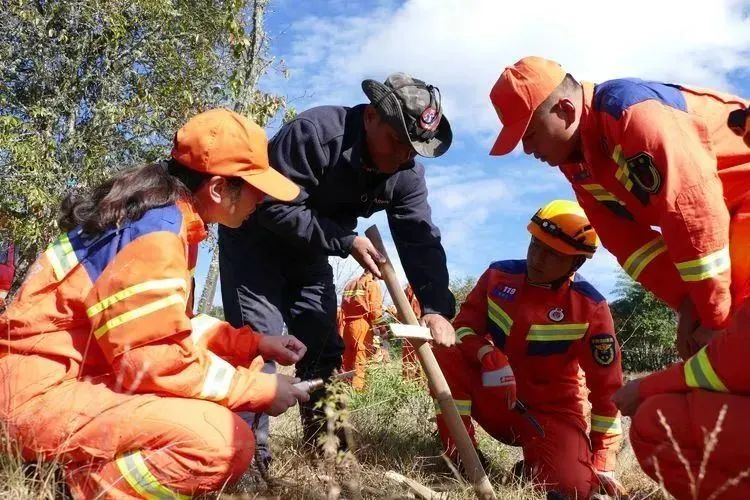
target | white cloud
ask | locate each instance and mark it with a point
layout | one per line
(466, 198)
(462, 46)
(482, 206)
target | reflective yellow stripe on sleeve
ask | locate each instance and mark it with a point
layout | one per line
(499, 317)
(146, 286)
(623, 171)
(134, 470)
(140, 312)
(606, 425)
(218, 379)
(202, 324)
(700, 374)
(62, 257)
(642, 257)
(463, 332)
(601, 194)
(706, 267)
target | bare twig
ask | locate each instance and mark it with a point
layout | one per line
(419, 489)
(711, 440)
(680, 456)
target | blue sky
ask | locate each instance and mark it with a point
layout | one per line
(482, 203)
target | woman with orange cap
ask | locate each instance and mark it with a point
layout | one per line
(103, 366)
(525, 331)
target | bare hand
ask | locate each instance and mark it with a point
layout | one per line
(627, 398)
(687, 322)
(286, 395)
(285, 349)
(440, 328)
(368, 257)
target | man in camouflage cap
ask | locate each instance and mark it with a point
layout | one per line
(349, 163)
(413, 109)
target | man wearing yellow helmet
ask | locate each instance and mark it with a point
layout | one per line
(528, 328)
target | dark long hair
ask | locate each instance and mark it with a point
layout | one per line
(130, 194)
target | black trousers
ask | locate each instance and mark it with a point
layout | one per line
(265, 283)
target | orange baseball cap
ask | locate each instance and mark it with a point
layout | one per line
(222, 142)
(515, 96)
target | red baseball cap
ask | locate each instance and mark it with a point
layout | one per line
(222, 142)
(515, 96)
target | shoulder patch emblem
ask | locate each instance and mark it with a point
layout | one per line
(643, 172)
(556, 314)
(505, 292)
(603, 348)
(429, 119)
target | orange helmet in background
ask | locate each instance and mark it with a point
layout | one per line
(563, 225)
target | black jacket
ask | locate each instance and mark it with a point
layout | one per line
(322, 151)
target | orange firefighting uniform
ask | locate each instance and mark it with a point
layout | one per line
(340, 321)
(410, 367)
(658, 155)
(690, 396)
(104, 369)
(362, 307)
(548, 335)
(7, 270)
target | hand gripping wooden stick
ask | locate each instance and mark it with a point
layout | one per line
(435, 377)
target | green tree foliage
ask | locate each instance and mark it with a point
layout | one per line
(461, 287)
(88, 87)
(217, 312)
(645, 326)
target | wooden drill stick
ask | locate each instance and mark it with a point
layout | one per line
(435, 377)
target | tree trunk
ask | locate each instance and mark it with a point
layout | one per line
(254, 68)
(209, 290)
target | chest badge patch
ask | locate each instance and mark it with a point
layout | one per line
(505, 292)
(603, 349)
(556, 314)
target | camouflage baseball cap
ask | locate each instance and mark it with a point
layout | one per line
(414, 109)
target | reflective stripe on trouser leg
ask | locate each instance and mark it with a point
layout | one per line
(135, 471)
(464, 410)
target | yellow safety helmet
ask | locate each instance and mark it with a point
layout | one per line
(563, 225)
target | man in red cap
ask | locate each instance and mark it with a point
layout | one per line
(642, 155)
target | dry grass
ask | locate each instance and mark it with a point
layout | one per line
(19, 481)
(392, 424)
(393, 427)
